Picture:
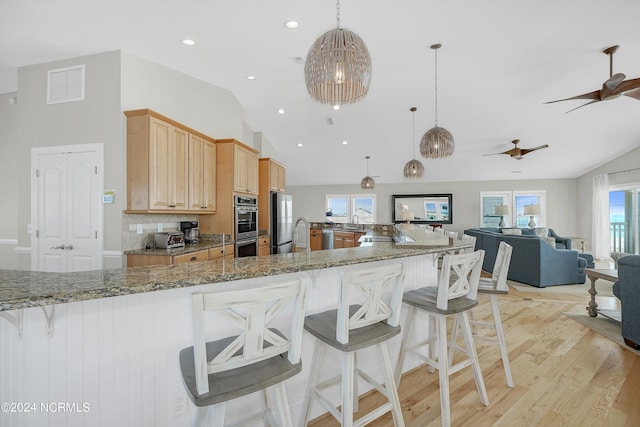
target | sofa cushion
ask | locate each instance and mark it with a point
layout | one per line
(514, 231)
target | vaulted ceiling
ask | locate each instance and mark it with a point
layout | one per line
(500, 61)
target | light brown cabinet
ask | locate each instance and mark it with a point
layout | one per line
(315, 239)
(166, 170)
(346, 239)
(202, 174)
(137, 260)
(271, 176)
(264, 246)
(225, 251)
(245, 174)
(236, 167)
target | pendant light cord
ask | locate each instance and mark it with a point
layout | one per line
(338, 14)
(436, 91)
(414, 132)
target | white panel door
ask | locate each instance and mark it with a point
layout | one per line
(68, 210)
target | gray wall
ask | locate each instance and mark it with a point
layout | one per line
(309, 201)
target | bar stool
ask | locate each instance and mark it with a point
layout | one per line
(259, 358)
(352, 327)
(493, 286)
(454, 296)
(467, 238)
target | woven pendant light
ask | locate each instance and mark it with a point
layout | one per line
(367, 182)
(414, 168)
(338, 67)
(437, 142)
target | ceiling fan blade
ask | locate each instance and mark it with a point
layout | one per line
(528, 150)
(609, 88)
(583, 105)
(635, 93)
(627, 85)
(591, 95)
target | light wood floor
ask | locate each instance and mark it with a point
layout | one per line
(565, 374)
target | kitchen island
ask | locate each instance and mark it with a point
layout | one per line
(108, 340)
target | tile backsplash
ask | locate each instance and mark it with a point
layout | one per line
(148, 223)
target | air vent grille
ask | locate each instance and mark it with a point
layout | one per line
(65, 84)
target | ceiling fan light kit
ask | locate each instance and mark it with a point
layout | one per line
(338, 67)
(437, 142)
(414, 168)
(612, 88)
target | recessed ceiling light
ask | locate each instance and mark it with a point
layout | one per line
(299, 144)
(292, 25)
(188, 42)
(251, 77)
(516, 171)
(345, 142)
(280, 111)
(336, 107)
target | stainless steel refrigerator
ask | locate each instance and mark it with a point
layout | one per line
(281, 223)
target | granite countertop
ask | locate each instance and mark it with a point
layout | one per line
(205, 242)
(25, 289)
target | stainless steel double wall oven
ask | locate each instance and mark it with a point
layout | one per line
(246, 226)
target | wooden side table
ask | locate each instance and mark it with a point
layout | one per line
(605, 274)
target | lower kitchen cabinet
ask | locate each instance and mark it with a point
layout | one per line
(315, 239)
(227, 252)
(193, 256)
(346, 239)
(212, 253)
(264, 246)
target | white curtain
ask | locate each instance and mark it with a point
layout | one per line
(600, 226)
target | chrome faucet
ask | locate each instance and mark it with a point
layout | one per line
(354, 219)
(307, 228)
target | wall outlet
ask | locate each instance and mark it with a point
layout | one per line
(178, 404)
(160, 227)
(139, 229)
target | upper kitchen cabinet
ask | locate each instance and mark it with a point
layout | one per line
(245, 173)
(202, 174)
(170, 168)
(271, 179)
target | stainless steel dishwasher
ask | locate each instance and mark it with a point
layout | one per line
(327, 239)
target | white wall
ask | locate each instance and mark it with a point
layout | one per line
(562, 213)
(8, 189)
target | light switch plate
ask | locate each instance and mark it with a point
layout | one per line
(160, 227)
(139, 228)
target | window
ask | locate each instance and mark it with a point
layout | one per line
(346, 207)
(624, 208)
(516, 202)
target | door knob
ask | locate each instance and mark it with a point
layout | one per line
(69, 247)
(58, 247)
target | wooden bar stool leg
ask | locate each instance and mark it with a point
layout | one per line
(453, 339)
(433, 340)
(443, 369)
(475, 363)
(497, 318)
(355, 383)
(348, 379)
(316, 365)
(406, 338)
(284, 416)
(390, 387)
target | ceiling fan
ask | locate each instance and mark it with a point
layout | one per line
(612, 88)
(517, 152)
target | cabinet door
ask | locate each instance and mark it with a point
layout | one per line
(276, 177)
(315, 239)
(168, 153)
(227, 252)
(240, 169)
(264, 246)
(252, 172)
(281, 178)
(209, 194)
(193, 256)
(196, 172)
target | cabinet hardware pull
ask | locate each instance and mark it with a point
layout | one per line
(194, 258)
(172, 206)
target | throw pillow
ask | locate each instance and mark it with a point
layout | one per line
(542, 232)
(515, 231)
(551, 241)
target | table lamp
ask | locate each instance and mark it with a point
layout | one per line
(501, 210)
(532, 210)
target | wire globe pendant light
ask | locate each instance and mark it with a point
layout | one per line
(367, 182)
(338, 67)
(414, 168)
(437, 142)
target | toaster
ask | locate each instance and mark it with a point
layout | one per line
(173, 239)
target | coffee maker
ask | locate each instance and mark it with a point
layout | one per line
(190, 230)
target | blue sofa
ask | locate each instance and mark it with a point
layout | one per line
(627, 289)
(533, 261)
